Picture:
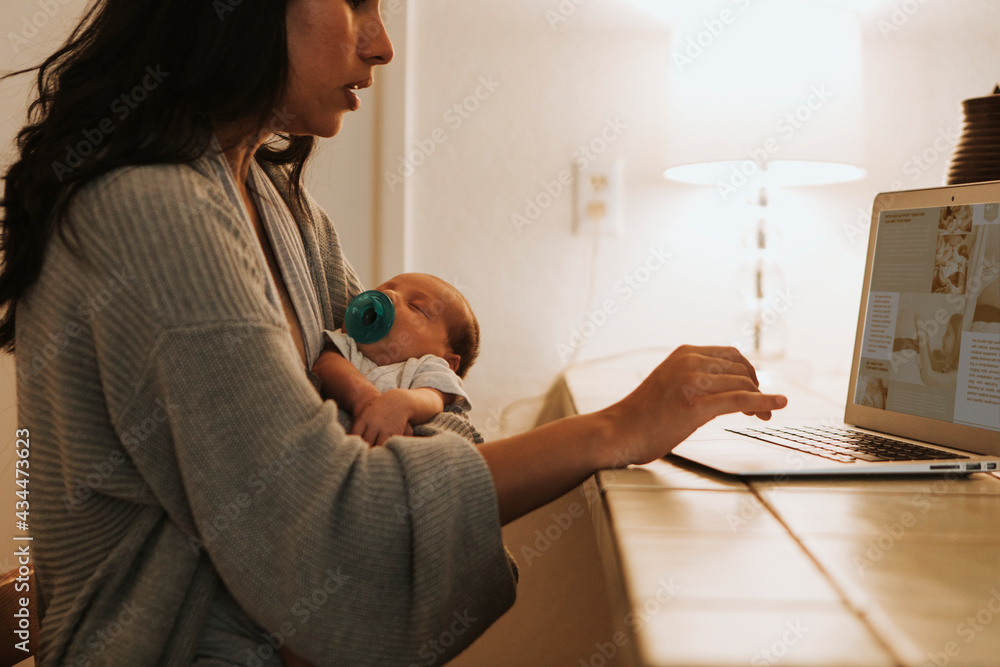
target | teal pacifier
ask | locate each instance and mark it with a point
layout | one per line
(369, 317)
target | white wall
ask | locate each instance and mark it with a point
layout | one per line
(559, 84)
(559, 87)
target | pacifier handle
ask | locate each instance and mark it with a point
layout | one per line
(369, 317)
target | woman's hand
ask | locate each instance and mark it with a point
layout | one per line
(691, 387)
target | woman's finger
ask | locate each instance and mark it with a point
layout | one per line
(730, 354)
(722, 366)
(723, 403)
(708, 383)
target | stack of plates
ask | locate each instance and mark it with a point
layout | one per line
(977, 156)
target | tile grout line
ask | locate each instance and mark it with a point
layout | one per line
(858, 612)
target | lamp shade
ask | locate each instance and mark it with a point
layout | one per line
(768, 87)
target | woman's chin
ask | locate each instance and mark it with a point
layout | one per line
(323, 128)
(329, 127)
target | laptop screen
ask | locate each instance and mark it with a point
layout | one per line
(931, 342)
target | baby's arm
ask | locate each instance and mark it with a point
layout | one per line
(342, 382)
(396, 411)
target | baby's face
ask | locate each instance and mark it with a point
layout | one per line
(426, 309)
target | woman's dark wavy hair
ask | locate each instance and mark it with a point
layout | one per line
(215, 61)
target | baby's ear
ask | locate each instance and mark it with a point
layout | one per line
(453, 361)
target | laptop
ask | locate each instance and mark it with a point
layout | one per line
(918, 402)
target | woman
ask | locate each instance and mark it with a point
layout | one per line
(193, 498)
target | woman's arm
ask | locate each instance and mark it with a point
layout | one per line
(691, 387)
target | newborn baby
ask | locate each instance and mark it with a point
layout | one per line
(406, 378)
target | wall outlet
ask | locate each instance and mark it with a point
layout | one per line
(598, 206)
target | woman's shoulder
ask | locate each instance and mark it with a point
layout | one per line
(184, 204)
(179, 235)
(160, 216)
(177, 186)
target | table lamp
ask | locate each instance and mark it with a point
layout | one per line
(765, 95)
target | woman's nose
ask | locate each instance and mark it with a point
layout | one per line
(374, 44)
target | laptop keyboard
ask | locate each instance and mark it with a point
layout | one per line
(845, 445)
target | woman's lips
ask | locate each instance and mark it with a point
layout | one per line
(353, 101)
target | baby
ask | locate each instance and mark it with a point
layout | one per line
(408, 377)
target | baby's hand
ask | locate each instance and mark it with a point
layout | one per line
(385, 416)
